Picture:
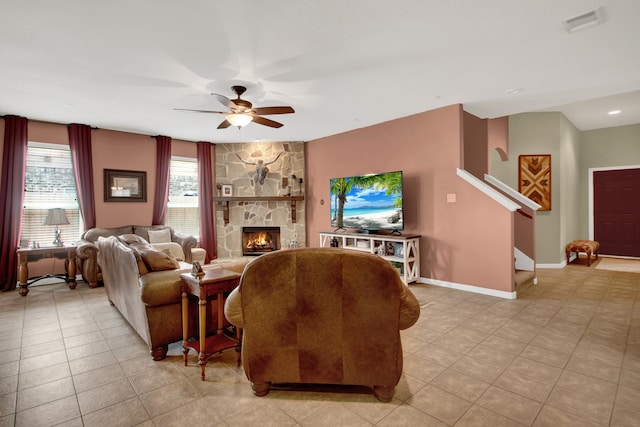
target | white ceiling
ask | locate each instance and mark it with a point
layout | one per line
(342, 64)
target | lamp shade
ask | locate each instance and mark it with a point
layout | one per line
(56, 216)
(239, 120)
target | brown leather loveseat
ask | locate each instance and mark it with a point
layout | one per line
(87, 251)
(322, 316)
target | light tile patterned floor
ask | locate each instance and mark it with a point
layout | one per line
(566, 352)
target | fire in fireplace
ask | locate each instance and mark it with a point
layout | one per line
(260, 240)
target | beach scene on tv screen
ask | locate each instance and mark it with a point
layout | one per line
(372, 202)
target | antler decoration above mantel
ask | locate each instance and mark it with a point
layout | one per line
(261, 167)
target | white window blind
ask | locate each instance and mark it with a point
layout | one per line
(182, 211)
(49, 183)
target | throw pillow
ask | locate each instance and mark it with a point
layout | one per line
(160, 236)
(175, 250)
(154, 259)
(131, 238)
(142, 267)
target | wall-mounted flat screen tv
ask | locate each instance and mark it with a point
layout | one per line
(368, 202)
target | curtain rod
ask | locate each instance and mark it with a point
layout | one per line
(92, 127)
(45, 122)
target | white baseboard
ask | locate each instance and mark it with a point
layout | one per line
(563, 264)
(469, 288)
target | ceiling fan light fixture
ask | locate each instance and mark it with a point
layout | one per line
(239, 120)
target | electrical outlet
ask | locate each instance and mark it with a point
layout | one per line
(451, 198)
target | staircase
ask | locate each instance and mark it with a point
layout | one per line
(524, 279)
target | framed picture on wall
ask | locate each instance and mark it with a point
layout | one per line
(227, 190)
(125, 186)
(534, 178)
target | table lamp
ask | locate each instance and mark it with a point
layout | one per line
(56, 216)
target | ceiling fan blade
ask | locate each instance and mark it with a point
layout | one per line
(202, 111)
(266, 122)
(225, 101)
(265, 111)
(225, 124)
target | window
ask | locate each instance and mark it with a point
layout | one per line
(49, 183)
(182, 212)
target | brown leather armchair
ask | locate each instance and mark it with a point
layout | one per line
(322, 316)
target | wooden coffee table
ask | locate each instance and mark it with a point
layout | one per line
(216, 282)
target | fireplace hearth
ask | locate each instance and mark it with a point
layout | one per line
(260, 240)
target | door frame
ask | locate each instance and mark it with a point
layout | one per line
(590, 190)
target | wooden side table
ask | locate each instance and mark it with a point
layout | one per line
(26, 255)
(216, 283)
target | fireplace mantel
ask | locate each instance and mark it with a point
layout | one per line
(225, 200)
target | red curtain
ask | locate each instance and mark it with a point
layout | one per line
(14, 163)
(80, 145)
(163, 165)
(206, 191)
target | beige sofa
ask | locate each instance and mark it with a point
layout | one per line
(322, 316)
(87, 251)
(149, 297)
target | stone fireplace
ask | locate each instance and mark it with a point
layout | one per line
(251, 206)
(260, 240)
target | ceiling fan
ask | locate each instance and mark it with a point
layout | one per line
(242, 112)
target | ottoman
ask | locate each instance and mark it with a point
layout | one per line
(587, 246)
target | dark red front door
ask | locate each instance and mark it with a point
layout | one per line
(616, 211)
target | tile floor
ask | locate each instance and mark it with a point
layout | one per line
(567, 352)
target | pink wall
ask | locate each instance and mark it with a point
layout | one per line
(467, 242)
(498, 131)
(119, 150)
(475, 153)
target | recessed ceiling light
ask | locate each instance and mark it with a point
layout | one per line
(513, 91)
(614, 112)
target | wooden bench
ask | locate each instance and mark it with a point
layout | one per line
(587, 246)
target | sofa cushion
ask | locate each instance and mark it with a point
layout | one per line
(162, 287)
(155, 259)
(160, 236)
(142, 267)
(171, 248)
(128, 239)
(131, 238)
(143, 230)
(92, 234)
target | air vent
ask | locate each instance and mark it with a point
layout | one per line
(583, 20)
